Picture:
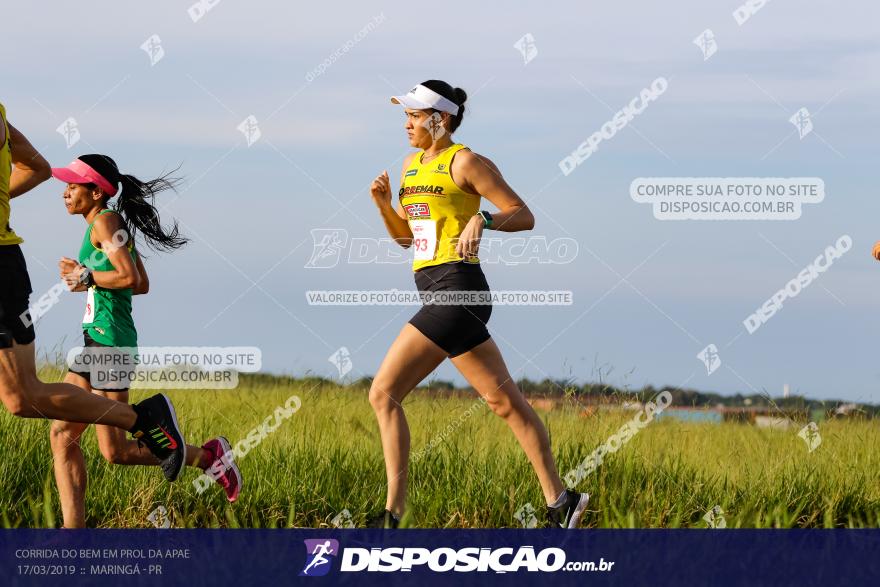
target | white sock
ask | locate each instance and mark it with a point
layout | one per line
(560, 501)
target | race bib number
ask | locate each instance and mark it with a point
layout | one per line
(424, 239)
(89, 316)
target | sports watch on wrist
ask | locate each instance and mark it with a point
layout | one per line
(86, 278)
(487, 218)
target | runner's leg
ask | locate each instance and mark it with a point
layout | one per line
(410, 359)
(69, 465)
(25, 395)
(484, 368)
(116, 448)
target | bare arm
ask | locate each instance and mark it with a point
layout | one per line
(393, 217)
(144, 284)
(30, 168)
(478, 175)
(125, 273)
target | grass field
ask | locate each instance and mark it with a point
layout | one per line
(468, 471)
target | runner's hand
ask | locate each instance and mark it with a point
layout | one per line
(876, 252)
(469, 241)
(380, 190)
(66, 265)
(71, 278)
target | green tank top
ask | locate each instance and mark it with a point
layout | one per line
(108, 317)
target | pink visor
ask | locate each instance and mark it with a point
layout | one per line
(81, 172)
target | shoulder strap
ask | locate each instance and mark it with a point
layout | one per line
(101, 213)
(417, 160)
(92, 225)
(4, 126)
(446, 156)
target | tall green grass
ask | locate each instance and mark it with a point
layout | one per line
(469, 473)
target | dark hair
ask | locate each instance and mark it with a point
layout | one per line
(135, 203)
(456, 95)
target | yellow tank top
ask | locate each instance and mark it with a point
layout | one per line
(7, 236)
(436, 208)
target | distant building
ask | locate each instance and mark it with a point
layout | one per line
(849, 410)
(711, 415)
(778, 422)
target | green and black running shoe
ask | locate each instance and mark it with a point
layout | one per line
(157, 428)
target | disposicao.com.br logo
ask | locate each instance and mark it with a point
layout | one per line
(318, 553)
(443, 559)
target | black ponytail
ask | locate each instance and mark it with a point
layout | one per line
(135, 205)
(456, 95)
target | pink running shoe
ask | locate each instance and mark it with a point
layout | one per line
(229, 476)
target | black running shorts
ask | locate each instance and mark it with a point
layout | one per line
(454, 328)
(106, 368)
(15, 291)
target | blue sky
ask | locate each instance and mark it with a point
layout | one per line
(249, 210)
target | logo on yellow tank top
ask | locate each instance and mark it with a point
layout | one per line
(421, 189)
(418, 210)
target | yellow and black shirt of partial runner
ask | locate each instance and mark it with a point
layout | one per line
(436, 208)
(7, 235)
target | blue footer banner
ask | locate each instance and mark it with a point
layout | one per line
(440, 557)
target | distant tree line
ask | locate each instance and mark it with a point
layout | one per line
(586, 393)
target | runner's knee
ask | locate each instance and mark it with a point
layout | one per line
(16, 396)
(113, 452)
(381, 397)
(19, 404)
(63, 436)
(500, 404)
(20, 408)
(507, 402)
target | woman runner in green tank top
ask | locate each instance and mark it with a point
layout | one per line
(108, 318)
(110, 272)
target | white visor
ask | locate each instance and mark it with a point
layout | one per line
(423, 98)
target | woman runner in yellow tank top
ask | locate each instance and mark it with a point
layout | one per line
(438, 216)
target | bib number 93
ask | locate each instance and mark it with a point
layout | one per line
(424, 239)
